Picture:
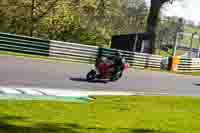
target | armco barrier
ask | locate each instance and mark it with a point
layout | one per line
(73, 52)
(189, 65)
(16, 43)
(79, 52)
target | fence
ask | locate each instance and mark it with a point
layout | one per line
(189, 65)
(16, 43)
(72, 52)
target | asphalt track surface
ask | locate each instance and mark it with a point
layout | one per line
(20, 72)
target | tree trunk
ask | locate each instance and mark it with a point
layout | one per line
(152, 21)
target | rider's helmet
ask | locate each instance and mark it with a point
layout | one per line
(118, 54)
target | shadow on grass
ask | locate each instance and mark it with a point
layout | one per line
(127, 130)
(7, 127)
(38, 128)
(4, 117)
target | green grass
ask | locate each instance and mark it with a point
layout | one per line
(195, 74)
(136, 114)
(192, 73)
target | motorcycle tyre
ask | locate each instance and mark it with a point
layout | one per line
(91, 75)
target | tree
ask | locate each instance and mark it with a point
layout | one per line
(168, 30)
(134, 15)
(152, 21)
(91, 22)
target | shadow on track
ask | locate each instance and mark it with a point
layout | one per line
(85, 80)
(196, 84)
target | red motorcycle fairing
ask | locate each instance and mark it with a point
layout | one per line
(104, 69)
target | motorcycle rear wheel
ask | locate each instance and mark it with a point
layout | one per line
(91, 75)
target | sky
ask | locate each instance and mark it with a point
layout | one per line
(188, 9)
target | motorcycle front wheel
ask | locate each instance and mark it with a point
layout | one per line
(91, 75)
(116, 76)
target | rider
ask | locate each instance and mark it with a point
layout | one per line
(119, 62)
(117, 59)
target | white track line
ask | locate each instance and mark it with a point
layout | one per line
(71, 92)
(59, 92)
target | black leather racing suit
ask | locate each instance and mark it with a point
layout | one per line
(119, 62)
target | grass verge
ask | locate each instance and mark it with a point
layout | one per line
(134, 114)
(192, 73)
(196, 73)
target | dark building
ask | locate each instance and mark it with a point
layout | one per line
(135, 42)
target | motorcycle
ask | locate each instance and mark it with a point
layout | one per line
(104, 70)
